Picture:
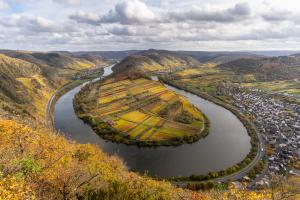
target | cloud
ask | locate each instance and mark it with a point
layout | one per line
(3, 5)
(121, 30)
(131, 24)
(239, 12)
(129, 12)
(274, 15)
(34, 24)
(126, 12)
(86, 17)
(137, 12)
(127, 30)
(68, 2)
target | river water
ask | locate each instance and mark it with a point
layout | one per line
(227, 143)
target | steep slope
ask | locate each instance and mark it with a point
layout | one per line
(47, 166)
(58, 63)
(28, 79)
(23, 88)
(155, 61)
(276, 68)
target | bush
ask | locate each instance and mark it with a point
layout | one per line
(185, 117)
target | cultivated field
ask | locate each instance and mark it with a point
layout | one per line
(290, 87)
(207, 79)
(145, 110)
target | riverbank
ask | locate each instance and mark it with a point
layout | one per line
(52, 101)
(239, 170)
(61, 91)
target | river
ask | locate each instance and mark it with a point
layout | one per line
(227, 143)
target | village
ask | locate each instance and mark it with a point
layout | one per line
(277, 120)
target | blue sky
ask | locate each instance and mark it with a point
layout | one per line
(142, 24)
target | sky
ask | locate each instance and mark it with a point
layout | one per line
(91, 25)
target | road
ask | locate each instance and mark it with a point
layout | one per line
(49, 117)
(243, 172)
(49, 114)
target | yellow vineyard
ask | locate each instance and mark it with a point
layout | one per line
(145, 110)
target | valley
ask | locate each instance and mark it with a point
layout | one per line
(128, 110)
(160, 161)
(128, 107)
(149, 100)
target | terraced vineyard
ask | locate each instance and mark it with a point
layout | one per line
(142, 111)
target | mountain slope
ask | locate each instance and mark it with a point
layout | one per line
(276, 68)
(155, 61)
(54, 63)
(201, 56)
(217, 57)
(23, 87)
(51, 167)
(28, 79)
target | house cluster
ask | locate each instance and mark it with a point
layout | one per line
(89, 72)
(276, 119)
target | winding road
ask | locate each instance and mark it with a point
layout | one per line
(244, 171)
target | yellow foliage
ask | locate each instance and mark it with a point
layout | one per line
(54, 168)
(40, 94)
(134, 107)
(135, 116)
(12, 188)
(249, 195)
(197, 71)
(124, 125)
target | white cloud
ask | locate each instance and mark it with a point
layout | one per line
(86, 17)
(137, 12)
(239, 12)
(129, 12)
(131, 24)
(34, 24)
(3, 5)
(68, 2)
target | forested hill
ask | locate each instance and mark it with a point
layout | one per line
(274, 68)
(27, 79)
(61, 63)
(155, 61)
